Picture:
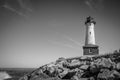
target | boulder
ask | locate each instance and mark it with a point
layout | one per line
(84, 79)
(91, 78)
(101, 67)
(118, 66)
(62, 74)
(61, 59)
(76, 78)
(108, 75)
(51, 78)
(104, 74)
(51, 71)
(83, 57)
(59, 70)
(34, 76)
(116, 74)
(78, 74)
(24, 78)
(74, 64)
(62, 62)
(69, 75)
(93, 69)
(84, 67)
(104, 62)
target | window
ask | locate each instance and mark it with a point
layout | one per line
(90, 33)
(90, 50)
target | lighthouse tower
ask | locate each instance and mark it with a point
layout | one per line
(90, 48)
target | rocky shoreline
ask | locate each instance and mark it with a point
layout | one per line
(100, 67)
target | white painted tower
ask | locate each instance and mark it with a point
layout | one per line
(90, 48)
(90, 34)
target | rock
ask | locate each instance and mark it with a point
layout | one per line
(44, 68)
(24, 78)
(69, 75)
(93, 69)
(51, 78)
(74, 64)
(59, 70)
(103, 62)
(34, 76)
(91, 78)
(114, 65)
(76, 78)
(78, 74)
(104, 74)
(61, 75)
(116, 74)
(51, 71)
(118, 66)
(108, 75)
(60, 59)
(84, 79)
(89, 71)
(62, 62)
(51, 64)
(101, 67)
(84, 57)
(84, 67)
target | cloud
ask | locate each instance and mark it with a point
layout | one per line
(20, 7)
(74, 41)
(25, 4)
(96, 5)
(14, 10)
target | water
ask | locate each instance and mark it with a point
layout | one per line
(14, 73)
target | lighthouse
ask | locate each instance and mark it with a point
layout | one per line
(90, 47)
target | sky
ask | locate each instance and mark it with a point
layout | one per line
(37, 32)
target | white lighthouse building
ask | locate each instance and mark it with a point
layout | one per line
(90, 48)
